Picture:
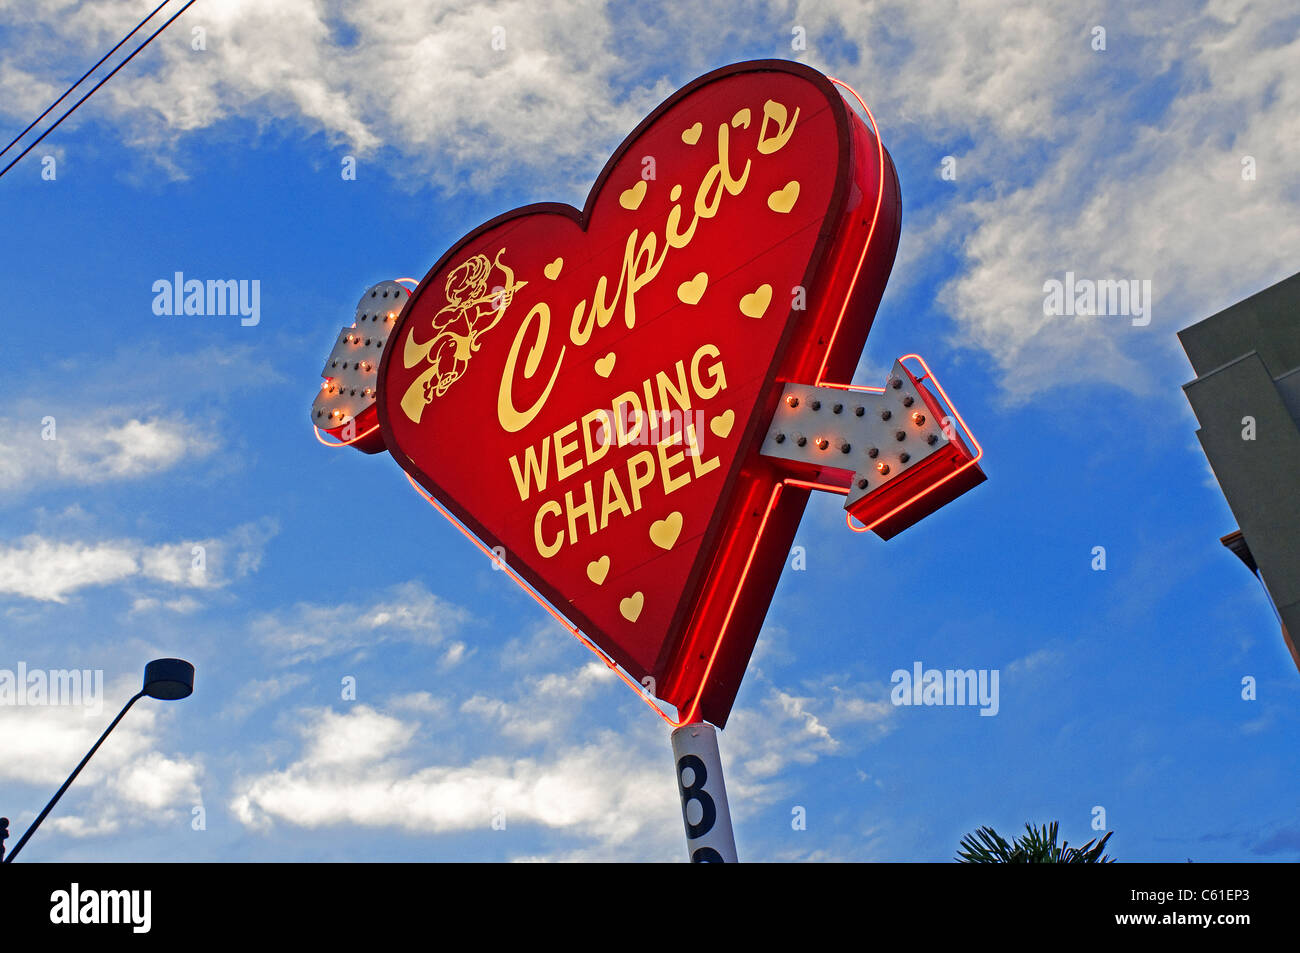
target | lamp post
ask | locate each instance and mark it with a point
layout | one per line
(166, 679)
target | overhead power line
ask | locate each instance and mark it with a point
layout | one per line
(50, 107)
(74, 106)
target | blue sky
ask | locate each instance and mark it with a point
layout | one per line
(1119, 688)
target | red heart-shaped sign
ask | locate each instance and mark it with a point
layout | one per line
(587, 390)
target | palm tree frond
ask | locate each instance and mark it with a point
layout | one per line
(1035, 846)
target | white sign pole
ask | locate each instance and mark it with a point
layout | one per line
(705, 812)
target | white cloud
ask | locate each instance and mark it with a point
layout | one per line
(182, 605)
(1122, 164)
(610, 793)
(50, 570)
(456, 653)
(543, 645)
(313, 631)
(90, 449)
(256, 693)
(351, 771)
(1071, 159)
(863, 707)
(546, 705)
(155, 781)
(422, 78)
(763, 740)
(359, 737)
(422, 702)
(1036, 660)
(41, 569)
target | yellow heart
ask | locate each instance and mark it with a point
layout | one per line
(741, 119)
(552, 270)
(631, 198)
(721, 425)
(598, 569)
(783, 200)
(755, 305)
(605, 366)
(664, 532)
(692, 135)
(631, 606)
(690, 292)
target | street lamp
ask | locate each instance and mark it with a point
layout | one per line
(166, 679)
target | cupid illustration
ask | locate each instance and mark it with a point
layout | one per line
(475, 305)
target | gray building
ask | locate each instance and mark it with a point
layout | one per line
(1246, 397)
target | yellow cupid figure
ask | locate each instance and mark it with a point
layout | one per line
(474, 306)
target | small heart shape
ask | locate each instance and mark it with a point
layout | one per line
(664, 532)
(690, 292)
(631, 607)
(631, 198)
(783, 200)
(721, 425)
(552, 270)
(692, 135)
(598, 569)
(605, 366)
(754, 305)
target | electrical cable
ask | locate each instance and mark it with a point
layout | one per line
(74, 106)
(68, 92)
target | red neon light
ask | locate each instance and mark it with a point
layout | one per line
(692, 713)
(348, 443)
(875, 217)
(809, 485)
(709, 608)
(776, 491)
